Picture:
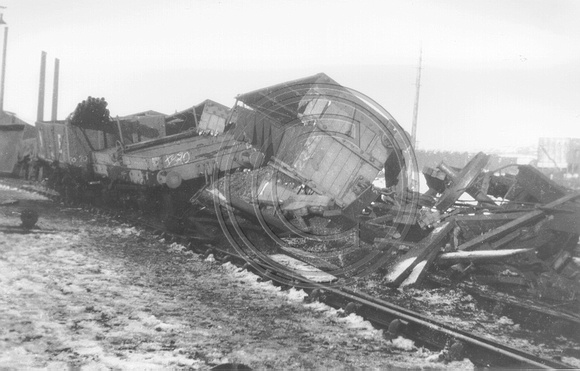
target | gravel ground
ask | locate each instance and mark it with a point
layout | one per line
(90, 293)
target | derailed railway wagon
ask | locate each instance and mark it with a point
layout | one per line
(64, 151)
(169, 170)
(132, 160)
(324, 146)
(181, 157)
(329, 139)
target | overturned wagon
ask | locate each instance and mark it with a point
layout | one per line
(330, 139)
(324, 146)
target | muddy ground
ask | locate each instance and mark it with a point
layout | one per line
(88, 292)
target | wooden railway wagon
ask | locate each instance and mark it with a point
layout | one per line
(70, 146)
(171, 160)
(324, 146)
(328, 139)
(64, 150)
(67, 145)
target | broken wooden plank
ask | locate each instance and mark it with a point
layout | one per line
(473, 225)
(462, 181)
(506, 280)
(506, 239)
(420, 270)
(480, 255)
(560, 260)
(538, 185)
(401, 267)
(416, 274)
(387, 242)
(304, 269)
(309, 258)
(566, 221)
(515, 224)
(494, 216)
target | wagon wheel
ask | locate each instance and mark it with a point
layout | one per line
(462, 182)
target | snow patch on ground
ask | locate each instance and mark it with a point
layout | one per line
(364, 328)
(210, 259)
(404, 344)
(6, 190)
(177, 248)
(574, 362)
(296, 295)
(126, 232)
(505, 321)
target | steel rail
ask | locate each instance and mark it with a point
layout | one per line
(432, 325)
(375, 310)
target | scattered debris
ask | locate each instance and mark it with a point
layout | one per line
(413, 263)
(517, 233)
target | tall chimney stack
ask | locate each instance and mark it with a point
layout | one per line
(55, 90)
(3, 70)
(40, 113)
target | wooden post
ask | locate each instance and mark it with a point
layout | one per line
(416, 107)
(120, 133)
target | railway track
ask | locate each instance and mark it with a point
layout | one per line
(481, 351)
(395, 320)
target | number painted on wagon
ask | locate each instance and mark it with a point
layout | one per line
(179, 158)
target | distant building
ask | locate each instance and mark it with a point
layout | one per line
(14, 131)
(559, 154)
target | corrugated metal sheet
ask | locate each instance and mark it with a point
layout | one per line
(282, 101)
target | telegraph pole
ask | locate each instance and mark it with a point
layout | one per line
(416, 108)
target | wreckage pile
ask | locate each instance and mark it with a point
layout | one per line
(518, 233)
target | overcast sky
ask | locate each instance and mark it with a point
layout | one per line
(496, 74)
